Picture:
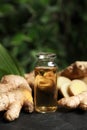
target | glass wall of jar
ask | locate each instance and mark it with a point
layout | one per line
(45, 89)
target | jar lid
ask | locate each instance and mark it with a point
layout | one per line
(45, 55)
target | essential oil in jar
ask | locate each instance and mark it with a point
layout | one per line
(45, 90)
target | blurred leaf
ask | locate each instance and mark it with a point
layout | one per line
(7, 64)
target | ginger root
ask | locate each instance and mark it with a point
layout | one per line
(75, 94)
(13, 82)
(73, 102)
(14, 100)
(15, 93)
(76, 70)
(83, 104)
(30, 78)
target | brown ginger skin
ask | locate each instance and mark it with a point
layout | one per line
(73, 102)
(83, 104)
(30, 78)
(15, 81)
(13, 101)
(15, 94)
(9, 82)
(77, 69)
(69, 102)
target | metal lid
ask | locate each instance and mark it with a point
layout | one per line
(46, 55)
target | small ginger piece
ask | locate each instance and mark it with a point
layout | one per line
(77, 86)
(76, 70)
(13, 101)
(73, 102)
(30, 78)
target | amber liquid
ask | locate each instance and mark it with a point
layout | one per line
(45, 91)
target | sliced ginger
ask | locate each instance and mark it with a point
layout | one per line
(77, 86)
(63, 84)
(78, 95)
(61, 80)
(65, 90)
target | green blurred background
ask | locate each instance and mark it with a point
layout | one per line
(31, 26)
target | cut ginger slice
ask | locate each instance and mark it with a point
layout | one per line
(63, 81)
(77, 86)
(65, 90)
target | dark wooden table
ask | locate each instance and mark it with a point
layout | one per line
(59, 120)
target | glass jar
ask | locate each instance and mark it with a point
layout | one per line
(45, 90)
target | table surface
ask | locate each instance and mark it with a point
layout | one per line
(59, 120)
